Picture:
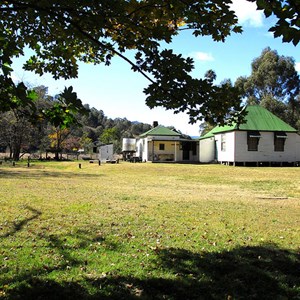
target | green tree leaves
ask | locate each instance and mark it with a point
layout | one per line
(273, 75)
(63, 112)
(62, 33)
(288, 19)
(275, 84)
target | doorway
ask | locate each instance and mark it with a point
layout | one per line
(186, 147)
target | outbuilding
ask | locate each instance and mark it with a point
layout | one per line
(106, 153)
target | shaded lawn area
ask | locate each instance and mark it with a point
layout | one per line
(147, 231)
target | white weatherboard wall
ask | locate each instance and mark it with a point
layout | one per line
(266, 151)
(207, 150)
(227, 155)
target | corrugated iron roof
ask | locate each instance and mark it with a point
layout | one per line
(160, 131)
(257, 118)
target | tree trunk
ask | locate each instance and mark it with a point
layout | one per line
(10, 152)
(17, 151)
(17, 144)
(57, 145)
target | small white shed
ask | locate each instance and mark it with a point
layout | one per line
(106, 152)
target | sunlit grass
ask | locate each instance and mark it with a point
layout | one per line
(117, 230)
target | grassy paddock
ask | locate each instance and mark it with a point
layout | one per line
(149, 231)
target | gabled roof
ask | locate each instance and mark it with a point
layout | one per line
(257, 119)
(160, 131)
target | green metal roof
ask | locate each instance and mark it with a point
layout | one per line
(257, 119)
(160, 131)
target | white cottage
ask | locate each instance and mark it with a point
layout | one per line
(161, 144)
(263, 139)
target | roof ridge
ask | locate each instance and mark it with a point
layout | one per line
(160, 130)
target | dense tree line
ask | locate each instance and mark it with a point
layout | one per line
(19, 133)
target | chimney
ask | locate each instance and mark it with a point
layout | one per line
(155, 124)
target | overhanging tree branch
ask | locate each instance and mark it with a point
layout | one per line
(63, 33)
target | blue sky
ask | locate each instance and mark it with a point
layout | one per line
(119, 92)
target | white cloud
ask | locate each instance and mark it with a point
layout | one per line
(202, 56)
(247, 13)
(297, 67)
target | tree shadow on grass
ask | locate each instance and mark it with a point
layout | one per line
(37, 173)
(18, 225)
(260, 272)
(32, 282)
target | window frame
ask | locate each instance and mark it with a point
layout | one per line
(279, 141)
(223, 142)
(161, 147)
(253, 138)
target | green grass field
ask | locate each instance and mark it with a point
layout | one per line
(149, 231)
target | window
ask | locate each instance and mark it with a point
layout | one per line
(253, 140)
(223, 142)
(162, 147)
(279, 140)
